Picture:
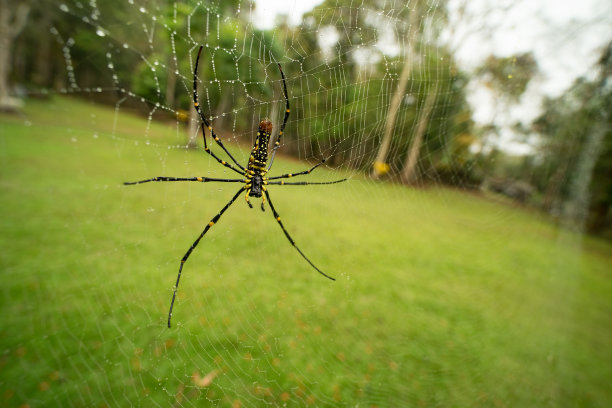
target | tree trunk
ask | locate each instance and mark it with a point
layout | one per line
(42, 73)
(553, 189)
(380, 166)
(5, 62)
(13, 16)
(576, 208)
(408, 173)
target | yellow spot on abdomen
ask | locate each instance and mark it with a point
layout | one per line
(210, 224)
(199, 179)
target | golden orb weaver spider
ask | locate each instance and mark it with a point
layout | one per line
(255, 179)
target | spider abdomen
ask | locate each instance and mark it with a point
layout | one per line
(258, 160)
(259, 153)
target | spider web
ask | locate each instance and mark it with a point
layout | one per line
(254, 325)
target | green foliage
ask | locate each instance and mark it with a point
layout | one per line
(510, 75)
(360, 91)
(340, 97)
(147, 79)
(565, 125)
(446, 298)
(449, 132)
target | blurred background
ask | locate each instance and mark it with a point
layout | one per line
(471, 242)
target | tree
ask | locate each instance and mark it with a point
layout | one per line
(13, 16)
(429, 68)
(380, 166)
(577, 151)
(509, 75)
(408, 173)
(378, 98)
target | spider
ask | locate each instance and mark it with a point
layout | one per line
(254, 174)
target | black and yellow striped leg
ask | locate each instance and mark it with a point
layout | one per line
(199, 179)
(246, 197)
(212, 222)
(302, 183)
(287, 110)
(210, 152)
(282, 128)
(263, 199)
(288, 175)
(206, 122)
(277, 217)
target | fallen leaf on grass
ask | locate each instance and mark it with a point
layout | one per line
(204, 381)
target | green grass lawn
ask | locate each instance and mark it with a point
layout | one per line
(443, 298)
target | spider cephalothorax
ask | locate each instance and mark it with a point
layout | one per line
(254, 175)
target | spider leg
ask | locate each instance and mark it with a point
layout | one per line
(207, 123)
(303, 183)
(297, 174)
(200, 179)
(278, 219)
(282, 128)
(195, 243)
(210, 152)
(247, 187)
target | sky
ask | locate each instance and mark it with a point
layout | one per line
(565, 36)
(266, 10)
